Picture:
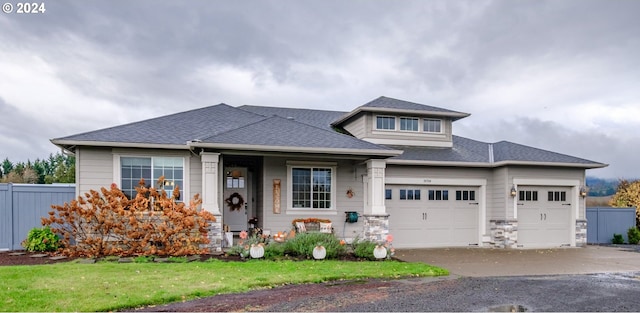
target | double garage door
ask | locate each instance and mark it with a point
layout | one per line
(544, 216)
(433, 216)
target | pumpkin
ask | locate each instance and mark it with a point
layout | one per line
(380, 252)
(319, 252)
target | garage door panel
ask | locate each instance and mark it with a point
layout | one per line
(544, 221)
(433, 223)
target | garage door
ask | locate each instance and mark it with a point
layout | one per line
(433, 216)
(544, 216)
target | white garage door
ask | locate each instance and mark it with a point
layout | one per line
(433, 216)
(544, 216)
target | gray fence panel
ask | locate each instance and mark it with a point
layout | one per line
(603, 222)
(23, 208)
(6, 219)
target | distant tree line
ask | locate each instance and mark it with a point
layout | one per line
(58, 168)
(599, 187)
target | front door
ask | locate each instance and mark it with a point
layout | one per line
(236, 200)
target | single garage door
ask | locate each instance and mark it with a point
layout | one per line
(433, 216)
(544, 216)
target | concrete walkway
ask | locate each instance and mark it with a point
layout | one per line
(484, 262)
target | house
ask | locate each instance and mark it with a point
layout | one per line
(396, 163)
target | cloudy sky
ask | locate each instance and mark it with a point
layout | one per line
(557, 75)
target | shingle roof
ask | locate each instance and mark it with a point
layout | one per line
(395, 106)
(509, 151)
(391, 103)
(318, 118)
(279, 131)
(467, 150)
(305, 129)
(463, 150)
(175, 128)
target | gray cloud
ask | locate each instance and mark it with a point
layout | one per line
(512, 64)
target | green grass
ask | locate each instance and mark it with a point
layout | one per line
(111, 286)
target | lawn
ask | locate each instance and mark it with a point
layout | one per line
(111, 286)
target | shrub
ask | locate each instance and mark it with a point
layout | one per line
(634, 235)
(302, 245)
(617, 239)
(107, 223)
(364, 249)
(42, 240)
(245, 242)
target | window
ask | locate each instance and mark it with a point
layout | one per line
(409, 194)
(465, 195)
(132, 169)
(557, 196)
(386, 122)
(409, 123)
(311, 187)
(439, 195)
(432, 126)
(387, 194)
(528, 195)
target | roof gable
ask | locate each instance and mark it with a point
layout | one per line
(394, 106)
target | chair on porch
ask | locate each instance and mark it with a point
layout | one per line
(302, 225)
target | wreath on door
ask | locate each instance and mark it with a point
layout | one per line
(235, 201)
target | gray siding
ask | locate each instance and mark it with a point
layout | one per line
(95, 168)
(357, 126)
(371, 132)
(348, 176)
(499, 196)
(22, 208)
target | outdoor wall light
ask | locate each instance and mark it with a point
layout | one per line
(513, 192)
(583, 191)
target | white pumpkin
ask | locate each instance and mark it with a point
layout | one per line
(380, 252)
(319, 252)
(256, 251)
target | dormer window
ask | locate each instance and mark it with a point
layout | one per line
(409, 124)
(386, 122)
(432, 126)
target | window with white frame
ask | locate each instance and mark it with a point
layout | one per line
(409, 124)
(432, 126)
(386, 122)
(132, 169)
(311, 187)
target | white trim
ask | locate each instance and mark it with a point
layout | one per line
(493, 165)
(395, 123)
(334, 184)
(320, 150)
(442, 125)
(409, 142)
(480, 183)
(119, 144)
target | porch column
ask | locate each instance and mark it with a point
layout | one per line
(376, 219)
(210, 162)
(375, 187)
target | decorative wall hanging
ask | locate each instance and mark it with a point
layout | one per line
(276, 196)
(350, 193)
(235, 201)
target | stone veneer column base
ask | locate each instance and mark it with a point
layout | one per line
(504, 233)
(581, 233)
(376, 227)
(215, 235)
